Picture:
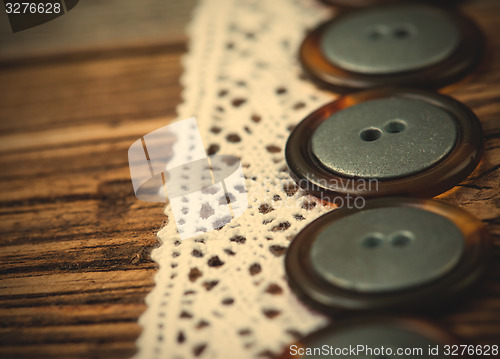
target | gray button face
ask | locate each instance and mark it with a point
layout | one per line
(391, 337)
(385, 138)
(390, 40)
(387, 249)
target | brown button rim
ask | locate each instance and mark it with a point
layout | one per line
(465, 58)
(313, 177)
(364, 3)
(320, 294)
(426, 328)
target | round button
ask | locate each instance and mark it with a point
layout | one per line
(390, 40)
(404, 44)
(381, 131)
(389, 255)
(374, 338)
(408, 142)
(393, 254)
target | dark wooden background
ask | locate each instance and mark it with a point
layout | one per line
(75, 243)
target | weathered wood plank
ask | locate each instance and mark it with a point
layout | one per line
(90, 349)
(103, 332)
(102, 93)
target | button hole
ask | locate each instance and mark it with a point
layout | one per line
(377, 32)
(372, 240)
(401, 239)
(402, 32)
(370, 134)
(395, 126)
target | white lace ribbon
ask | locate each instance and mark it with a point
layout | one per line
(223, 294)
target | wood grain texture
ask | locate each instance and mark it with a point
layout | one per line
(103, 26)
(75, 243)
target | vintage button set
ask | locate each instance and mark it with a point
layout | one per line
(401, 253)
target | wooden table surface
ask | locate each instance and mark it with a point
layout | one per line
(75, 243)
